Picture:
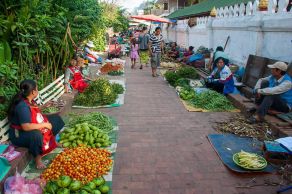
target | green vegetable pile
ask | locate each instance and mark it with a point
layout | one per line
(97, 119)
(50, 109)
(65, 185)
(118, 88)
(115, 73)
(187, 94)
(99, 92)
(171, 77)
(175, 78)
(187, 72)
(211, 100)
(182, 82)
(84, 134)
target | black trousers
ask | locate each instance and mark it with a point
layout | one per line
(275, 102)
(218, 87)
(33, 140)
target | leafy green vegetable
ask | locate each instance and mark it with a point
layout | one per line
(186, 94)
(175, 78)
(211, 100)
(51, 109)
(115, 73)
(182, 82)
(99, 92)
(171, 77)
(187, 72)
(118, 88)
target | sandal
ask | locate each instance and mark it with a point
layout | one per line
(252, 120)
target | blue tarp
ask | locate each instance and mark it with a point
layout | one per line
(228, 144)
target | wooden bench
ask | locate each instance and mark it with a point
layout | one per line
(51, 92)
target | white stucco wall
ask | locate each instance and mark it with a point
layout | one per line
(258, 33)
(198, 37)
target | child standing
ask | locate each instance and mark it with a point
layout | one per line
(134, 52)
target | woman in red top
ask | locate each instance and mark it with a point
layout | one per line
(74, 78)
(29, 128)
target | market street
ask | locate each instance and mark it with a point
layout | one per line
(162, 148)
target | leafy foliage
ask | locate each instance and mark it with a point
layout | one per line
(39, 36)
(99, 92)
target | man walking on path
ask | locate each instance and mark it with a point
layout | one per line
(155, 49)
(143, 47)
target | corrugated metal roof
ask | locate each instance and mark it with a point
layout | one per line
(203, 7)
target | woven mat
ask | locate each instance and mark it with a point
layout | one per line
(190, 108)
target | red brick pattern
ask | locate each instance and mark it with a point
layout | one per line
(163, 149)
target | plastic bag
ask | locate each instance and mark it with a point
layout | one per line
(19, 185)
(10, 153)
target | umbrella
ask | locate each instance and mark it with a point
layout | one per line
(152, 18)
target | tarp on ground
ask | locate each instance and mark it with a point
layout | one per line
(226, 145)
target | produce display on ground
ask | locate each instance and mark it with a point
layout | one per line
(84, 134)
(249, 160)
(183, 72)
(50, 110)
(219, 102)
(165, 58)
(116, 73)
(81, 163)
(98, 119)
(100, 92)
(108, 67)
(67, 185)
(239, 126)
(211, 101)
(118, 88)
(170, 65)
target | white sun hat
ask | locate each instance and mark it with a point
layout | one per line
(90, 44)
(279, 65)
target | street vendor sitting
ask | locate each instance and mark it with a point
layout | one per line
(187, 54)
(274, 91)
(29, 127)
(91, 55)
(84, 69)
(174, 51)
(221, 78)
(74, 78)
(212, 65)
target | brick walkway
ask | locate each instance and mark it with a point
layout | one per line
(162, 148)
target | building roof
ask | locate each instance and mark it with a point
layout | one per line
(204, 7)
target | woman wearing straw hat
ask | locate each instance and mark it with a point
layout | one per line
(90, 55)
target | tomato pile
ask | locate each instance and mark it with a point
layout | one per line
(110, 67)
(81, 163)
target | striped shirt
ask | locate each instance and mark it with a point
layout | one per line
(156, 43)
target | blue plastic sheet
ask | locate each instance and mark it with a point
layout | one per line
(228, 144)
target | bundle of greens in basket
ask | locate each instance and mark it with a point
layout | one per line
(180, 77)
(100, 92)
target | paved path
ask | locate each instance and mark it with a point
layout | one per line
(162, 148)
